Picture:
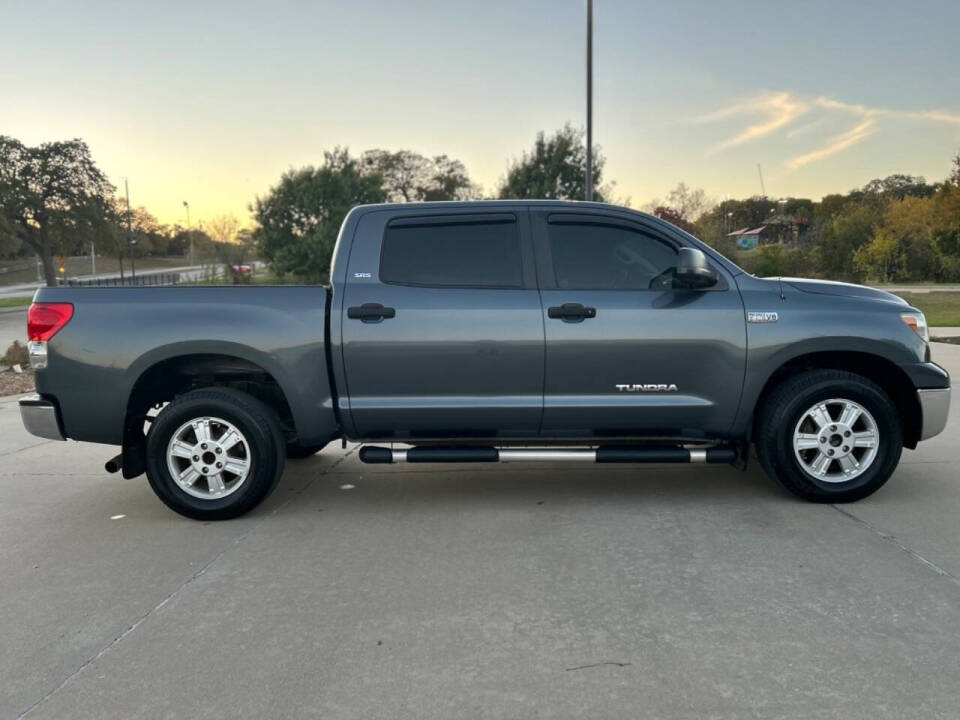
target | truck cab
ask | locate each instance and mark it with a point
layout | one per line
(524, 322)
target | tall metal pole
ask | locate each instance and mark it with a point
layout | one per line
(133, 267)
(189, 231)
(589, 193)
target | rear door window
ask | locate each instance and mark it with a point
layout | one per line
(479, 251)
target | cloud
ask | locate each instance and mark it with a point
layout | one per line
(805, 128)
(937, 116)
(862, 110)
(836, 144)
(781, 110)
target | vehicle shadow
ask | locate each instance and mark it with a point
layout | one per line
(497, 486)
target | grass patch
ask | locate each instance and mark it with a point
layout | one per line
(940, 307)
(16, 301)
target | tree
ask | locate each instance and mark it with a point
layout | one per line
(842, 237)
(51, 196)
(147, 234)
(178, 240)
(902, 249)
(689, 203)
(223, 229)
(675, 217)
(235, 253)
(298, 219)
(946, 223)
(116, 238)
(401, 171)
(411, 177)
(449, 180)
(683, 207)
(555, 168)
(899, 186)
(231, 244)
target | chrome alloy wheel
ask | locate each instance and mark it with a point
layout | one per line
(836, 440)
(208, 458)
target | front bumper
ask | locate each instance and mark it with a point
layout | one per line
(934, 409)
(41, 417)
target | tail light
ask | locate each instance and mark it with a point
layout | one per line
(44, 320)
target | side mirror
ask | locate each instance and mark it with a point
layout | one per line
(693, 270)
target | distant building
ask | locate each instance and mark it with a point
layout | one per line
(779, 229)
(748, 238)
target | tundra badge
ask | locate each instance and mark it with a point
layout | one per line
(657, 387)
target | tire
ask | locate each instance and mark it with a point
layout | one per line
(828, 459)
(301, 452)
(251, 465)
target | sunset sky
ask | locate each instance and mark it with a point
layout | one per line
(210, 102)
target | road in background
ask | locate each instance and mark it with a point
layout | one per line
(487, 591)
(188, 273)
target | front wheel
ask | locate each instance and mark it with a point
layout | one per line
(829, 436)
(215, 454)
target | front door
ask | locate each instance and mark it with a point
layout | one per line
(458, 348)
(627, 354)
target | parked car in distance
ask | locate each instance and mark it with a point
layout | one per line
(485, 332)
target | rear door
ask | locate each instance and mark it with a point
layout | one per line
(455, 348)
(626, 354)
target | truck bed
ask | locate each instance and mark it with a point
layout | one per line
(117, 335)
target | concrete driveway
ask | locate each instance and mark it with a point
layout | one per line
(551, 591)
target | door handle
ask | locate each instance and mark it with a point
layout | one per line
(370, 312)
(571, 312)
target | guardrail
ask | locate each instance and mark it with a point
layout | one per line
(146, 280)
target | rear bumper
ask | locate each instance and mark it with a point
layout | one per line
(41, 417)
(934, 408)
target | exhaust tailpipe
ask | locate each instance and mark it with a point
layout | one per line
(114, 464)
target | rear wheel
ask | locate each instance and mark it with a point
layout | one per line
(215, 454)
(829, 436)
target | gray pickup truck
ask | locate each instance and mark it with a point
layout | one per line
(490, 332)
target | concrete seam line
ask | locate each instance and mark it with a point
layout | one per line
(143, 618)
(27, 447)
(893, 539)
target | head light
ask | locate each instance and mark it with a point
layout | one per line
(918, 323)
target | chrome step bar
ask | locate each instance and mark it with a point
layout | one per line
(373, 454)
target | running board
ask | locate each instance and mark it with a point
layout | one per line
(372, 454)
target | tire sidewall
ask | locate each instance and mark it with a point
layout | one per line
(261, 441)
(889, 429)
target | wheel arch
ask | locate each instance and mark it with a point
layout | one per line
(162, 378)
(891, 378)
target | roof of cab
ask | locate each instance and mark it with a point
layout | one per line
(458, 204)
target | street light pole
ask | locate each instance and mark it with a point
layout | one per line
(189, 231)
(130, 243)
(589, 192)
